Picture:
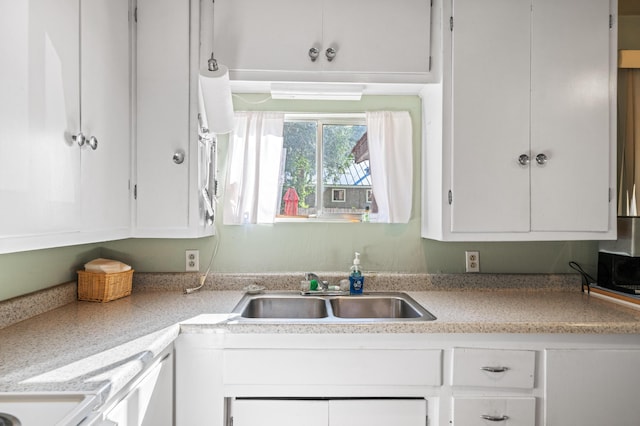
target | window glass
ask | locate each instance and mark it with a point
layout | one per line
(334, 148)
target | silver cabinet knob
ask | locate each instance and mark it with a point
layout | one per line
(523, 160)
(541, 159)
(178, 156)
(93, 142)
(330, 53)
(80, 139)
(313, 54)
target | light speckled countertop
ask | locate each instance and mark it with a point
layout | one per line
(98, 348)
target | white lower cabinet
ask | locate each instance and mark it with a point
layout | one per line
(471, 411)
(149, 401)
(244, 379)
(592, 387)
(378, 412)
(331, 412)
(490, 386)
(493, 368)
(251, 412)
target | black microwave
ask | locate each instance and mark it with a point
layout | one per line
(619, 272)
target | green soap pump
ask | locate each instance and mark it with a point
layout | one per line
(356, 280)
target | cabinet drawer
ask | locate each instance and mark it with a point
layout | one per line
(494, 368)
(502, 411)
(332, 367)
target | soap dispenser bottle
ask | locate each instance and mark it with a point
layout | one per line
(356, 279)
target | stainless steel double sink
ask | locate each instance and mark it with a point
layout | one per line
(368, 307)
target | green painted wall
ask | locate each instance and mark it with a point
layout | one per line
(302, 246)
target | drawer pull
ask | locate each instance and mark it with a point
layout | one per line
(494, 418)
(494, 369)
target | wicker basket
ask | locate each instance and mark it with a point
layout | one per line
(101, 287)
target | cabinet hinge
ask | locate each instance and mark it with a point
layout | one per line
(135, 15)
(431, 5)
(450, 197)
(429, 63)
(610, 21)
(610, 195)
(451, 23)
(135, 192)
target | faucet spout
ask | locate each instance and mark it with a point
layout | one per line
(322, 285)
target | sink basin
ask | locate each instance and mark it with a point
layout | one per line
(294, 307)
(266, 306)
(374, 307)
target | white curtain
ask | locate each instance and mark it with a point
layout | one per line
(391, 161)
(253, 168)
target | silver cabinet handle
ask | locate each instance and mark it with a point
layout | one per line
(313, 54)
(523, 160)
(330, 53)
(494, 369)
(541, 159)
(178, 156)
(93, 142)
(80, 139)
(494, 418)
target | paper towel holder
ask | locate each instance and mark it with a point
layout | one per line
(212, 63)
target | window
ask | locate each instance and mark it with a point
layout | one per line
(338, 195)
(326, 167)
(268, 180)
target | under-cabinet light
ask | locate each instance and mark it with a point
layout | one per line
(344, 92)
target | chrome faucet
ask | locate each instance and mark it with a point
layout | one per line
(322, 285)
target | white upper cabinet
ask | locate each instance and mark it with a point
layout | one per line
(490, 115)
(570, 108)
(259, 35)
(328, 40)
(520, 133)
(61, 79)
(170, 162)
(39, 111)
(106, 116)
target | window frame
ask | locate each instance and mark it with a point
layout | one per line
(322, 119)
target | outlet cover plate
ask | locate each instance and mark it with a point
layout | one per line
(472, 263)
(192, 260)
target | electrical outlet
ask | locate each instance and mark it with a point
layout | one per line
(192, 260)
(472, 261)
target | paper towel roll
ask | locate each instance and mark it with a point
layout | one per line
(216, 92)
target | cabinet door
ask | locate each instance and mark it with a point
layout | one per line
(253, 412)
(570, 115)
(267, 35)
(490, 61)
(592, 387)
(39, 111)
(105, 98)
(405, 412)
(150, 402)
(377, 35)
(472, 411)
(162, 116)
